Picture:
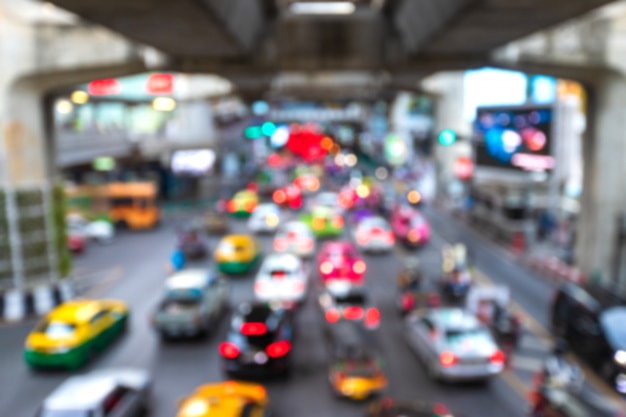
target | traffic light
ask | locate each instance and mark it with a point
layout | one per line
(447, 137)
(253, 132)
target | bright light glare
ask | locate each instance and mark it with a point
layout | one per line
(280, 136)
(336, 7)
(80, 97)
(164, 104)
(64, 107)
(381, 173)
(339, 160)
(363, 191)
(196, 408)
(350, 160)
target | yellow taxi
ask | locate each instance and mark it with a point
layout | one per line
(73, 332)
(237, 254)
(226, 399)
(243, 203)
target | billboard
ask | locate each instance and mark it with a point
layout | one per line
(194, 162)
(514, 138)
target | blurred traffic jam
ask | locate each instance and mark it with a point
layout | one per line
(326, 212)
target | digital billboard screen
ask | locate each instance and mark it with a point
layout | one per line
(194, 162)
(515, 138)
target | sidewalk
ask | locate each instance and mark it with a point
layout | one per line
(544, 258)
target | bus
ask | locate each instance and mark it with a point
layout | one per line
(129, 204)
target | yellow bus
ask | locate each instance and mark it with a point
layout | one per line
(131, 204)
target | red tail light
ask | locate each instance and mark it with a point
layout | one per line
(295, 204)
(447, 359)
(249, 206)
(353, 313)
(408, 302)
(279, 197)
(253, 329)
(229, 350)
(280, 244)
(359, 267)
(278, 349)
(391, 239)
(498, 358)
(372, 317)
(332, 315)
(338, 222)
(231, 206)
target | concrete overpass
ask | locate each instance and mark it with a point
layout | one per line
(393, 43)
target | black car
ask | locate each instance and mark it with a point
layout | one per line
(388, 407)
(258, 342)
(591, 319)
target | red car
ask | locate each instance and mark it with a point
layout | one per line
(289, 196)
(409, 226)
(76, 243)
(339, 260)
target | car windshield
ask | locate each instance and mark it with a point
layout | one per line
(55, 329)
(65, 413)
(177, 303)
(351, 299)
(464, 336)
(612, 322)
(372, 223)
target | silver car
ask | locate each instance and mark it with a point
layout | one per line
(374, 234)
(453, 345)
(110, 393)
(295, 237)
(193, 303)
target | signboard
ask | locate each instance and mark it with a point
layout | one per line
(160, 84)
(193, 162)
(104, 87)
(514, 138)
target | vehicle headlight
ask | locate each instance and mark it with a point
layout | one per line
(620, 357)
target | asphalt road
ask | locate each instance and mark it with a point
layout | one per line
(133, 268)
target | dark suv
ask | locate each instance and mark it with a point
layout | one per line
(591, 318)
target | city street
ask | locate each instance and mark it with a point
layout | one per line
(134, 267)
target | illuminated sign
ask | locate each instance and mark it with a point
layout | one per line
(517, 138)
(193, 162)
(160, 84)
(104, 163)
(104, 87)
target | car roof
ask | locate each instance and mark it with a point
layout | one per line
(281, 260)
(294, 224)
(342, 245)
(228, 398)
(75, 311)
(81, 392)
(238, 239)
(189, 278)
(595, 297)
(454, 319)
(374, 219)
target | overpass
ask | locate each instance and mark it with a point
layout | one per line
(392, 43)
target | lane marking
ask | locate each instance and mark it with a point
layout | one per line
(514, 381)
(104, 284)
(526, 363)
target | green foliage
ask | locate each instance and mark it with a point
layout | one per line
(59, 211)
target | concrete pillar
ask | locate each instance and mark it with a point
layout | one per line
(604, 192)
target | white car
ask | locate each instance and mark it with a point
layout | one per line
(295, 237)
(265, 218)
(283, 278)
(374, 234)
(99, 230)
(111, 392)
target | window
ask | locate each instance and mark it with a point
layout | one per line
(55, 329)
(426, 323)
(121, 202)
(99, 315)
(113, 400)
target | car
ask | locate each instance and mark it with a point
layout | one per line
(265, 218)
(226, 399)
(100, 231)
(259, 341)
(237, 254)
(282, 277)
(388, 407)
(192, 245)
(123, 392)
(374, 234)
(324, 222)
(453, 345)
(214, 223)
(355, 368)
(307, 183)
(76, 243)
(295, 237)
(591, 318)
(339, 260)
(288, 196)
(243, 203)
(69, 335)
(343, 301)
(409, 226)
(193, 303)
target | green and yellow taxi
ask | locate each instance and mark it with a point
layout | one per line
(73, 332)
(226, 399)
(237, 254)
(243, 203)
(324, 222)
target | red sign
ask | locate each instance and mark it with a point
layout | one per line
(464, 168)
(307, 144)
(105, 87)
(160, 84)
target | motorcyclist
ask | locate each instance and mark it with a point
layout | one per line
(410, 279)
(557, 371)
